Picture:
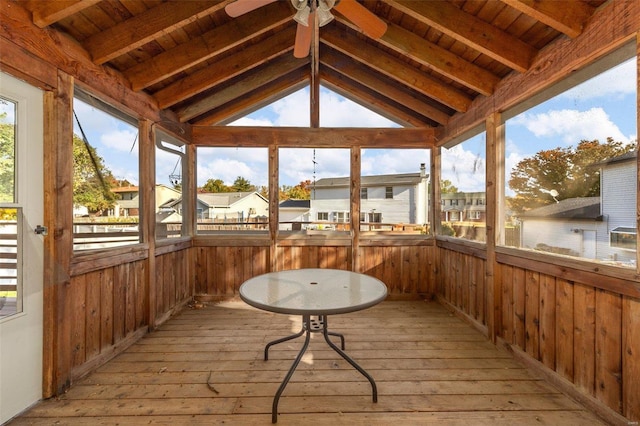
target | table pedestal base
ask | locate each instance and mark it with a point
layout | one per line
(309, 326)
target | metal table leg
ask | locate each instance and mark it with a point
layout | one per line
(306, 327)
(312, 326)
(355, 365)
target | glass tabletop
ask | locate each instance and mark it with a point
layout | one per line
(313, 291)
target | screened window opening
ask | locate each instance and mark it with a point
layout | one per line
(169, 214)
(106, 203)
(394, 191)
(462, 189)
(313, 190)
(232, 190)
(571, 171)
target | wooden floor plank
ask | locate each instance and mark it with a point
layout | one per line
(206, 366)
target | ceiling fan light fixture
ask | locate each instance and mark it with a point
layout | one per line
(303, 11)
(324, 16)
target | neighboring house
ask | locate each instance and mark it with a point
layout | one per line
(231, 206)
(165, 194)
(127, 202)
(601, 228)
(463, 207)
(391, 199)
(293, 213)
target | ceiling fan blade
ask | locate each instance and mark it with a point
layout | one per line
(368, 22)
(303, 40)
(240, 7)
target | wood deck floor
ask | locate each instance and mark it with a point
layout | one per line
(430, 368)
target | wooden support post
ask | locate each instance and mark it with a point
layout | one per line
(355, 208)
(434, 204)
(148, 210)
(274, 195)
(58, 197)
(495, 219)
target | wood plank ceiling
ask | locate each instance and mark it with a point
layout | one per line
(435, 58)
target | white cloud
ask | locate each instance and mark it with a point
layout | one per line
(464, 168)
(572, 125)
(614, 83)
(121, 140)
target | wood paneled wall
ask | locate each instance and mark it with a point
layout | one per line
(108, 308)
(573, 324)
(408, 271)
(108, 302)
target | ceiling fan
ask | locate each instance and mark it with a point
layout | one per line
(368, 22)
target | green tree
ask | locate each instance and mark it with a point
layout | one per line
(446, 187)
(301, 191)
(7, 160)
(215, 185)
(92, 181)
(569, 171)
(242, 185)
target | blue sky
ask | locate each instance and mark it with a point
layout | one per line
(604, 106)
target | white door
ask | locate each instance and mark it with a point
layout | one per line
(21, 249)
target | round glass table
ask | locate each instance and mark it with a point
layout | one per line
(314, 294)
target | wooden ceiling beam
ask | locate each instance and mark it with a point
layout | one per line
(45, 13)
(372, 100)
(251, 81)
(472, 31)
(418, 137)
(394, 68)
(145, 27)
(391, 90)
(568, 17)
(258, 98)
(226, 68)
(437, 58)
(220, 39)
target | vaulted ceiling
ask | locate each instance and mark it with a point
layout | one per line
(209, 68)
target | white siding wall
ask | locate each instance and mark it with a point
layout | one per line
(618, 186)
(562, 234)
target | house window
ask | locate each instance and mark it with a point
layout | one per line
(388, 193)
(364, 193)
(474, 215)
(342, 216)
(623, 238)
(106, 202)
(324, 216)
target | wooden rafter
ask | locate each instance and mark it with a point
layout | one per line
(468, 29)
(256, 99)
(372, 100)
(394, 68)
(387, 88)
(226, 68)
(254, 79)
(49, 12)
(437, 58)
(143, 28)
(568, 17)
(209, 44)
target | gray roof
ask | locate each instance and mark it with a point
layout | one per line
(378, 180)
(631, 155)
(571, 208)
(295, 204)
(223, 199)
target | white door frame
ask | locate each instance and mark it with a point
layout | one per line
(21, 335)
